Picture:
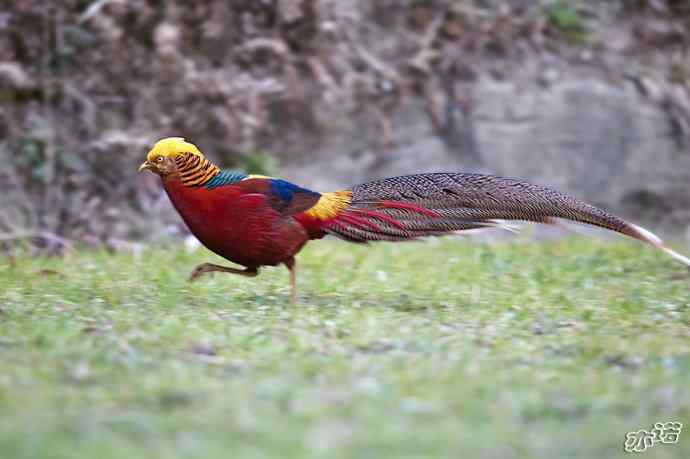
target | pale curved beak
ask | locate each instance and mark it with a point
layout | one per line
(145, 166)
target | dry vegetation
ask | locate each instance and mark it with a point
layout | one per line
(86, 86)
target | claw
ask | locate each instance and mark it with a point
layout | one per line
(197, 272)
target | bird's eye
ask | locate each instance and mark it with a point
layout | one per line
(159, 159)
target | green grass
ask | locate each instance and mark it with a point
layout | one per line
(436, 349)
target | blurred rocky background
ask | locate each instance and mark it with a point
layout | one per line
(591, 97)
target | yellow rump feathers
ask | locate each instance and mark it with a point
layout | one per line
(171, 147)
(330, 205)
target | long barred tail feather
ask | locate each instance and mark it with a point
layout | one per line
(413, 206)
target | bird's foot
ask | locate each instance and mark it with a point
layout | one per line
(199, 270)
(210, 267)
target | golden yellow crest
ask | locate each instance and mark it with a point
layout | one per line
(172, 146)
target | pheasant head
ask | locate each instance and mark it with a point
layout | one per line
(173, 157)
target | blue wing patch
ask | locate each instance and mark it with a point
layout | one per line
(287, 190)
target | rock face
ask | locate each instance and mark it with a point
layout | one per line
(603, 143)
(340, 92)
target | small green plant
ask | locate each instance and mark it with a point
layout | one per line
(564, 18)
(259, 162)
(679, 73)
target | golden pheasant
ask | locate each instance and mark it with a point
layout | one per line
(256, 221)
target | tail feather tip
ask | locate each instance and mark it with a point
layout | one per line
(648, 235)
(656, 241)
(682, 258)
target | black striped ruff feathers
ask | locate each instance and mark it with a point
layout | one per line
(195, 170)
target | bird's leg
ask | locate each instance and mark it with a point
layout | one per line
(291, 265)
(210, 267)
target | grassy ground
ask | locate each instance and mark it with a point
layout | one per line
(437, 349)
